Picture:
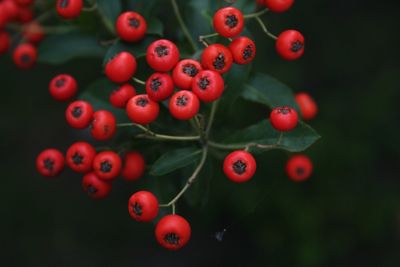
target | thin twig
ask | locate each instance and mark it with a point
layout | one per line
(264, 28)
(183, 25)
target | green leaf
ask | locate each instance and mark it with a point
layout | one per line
(109, 10)
(174, 160)
(155, 26)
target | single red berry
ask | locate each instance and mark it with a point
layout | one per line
(120, 97)
(184, 72)
(24, 56)
(131, 26)
(103, 125)
(79, 114)
(10, 9)
(134, 166)
(278, 6)
(284, 119)
(80, 157)
(307, 105)
(290, 45)
(4, 42)
(95, 187)
(142, 110)
(69, 9)
(121, 68)
(228, 22)
(240, 166)
(159, 86)
(173, 232)
(143, 206)
(217, 57)
(184, 105)
(50, 162)
(63, 87)
(25, 15)
(208, 85)
(33, 32)
(299, 168)
(107, 165)
(23, 3)
(162, 55)
(3, 17)
(243, 50)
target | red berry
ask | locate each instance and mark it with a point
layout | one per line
(80, 157)
(134, 166)
(173, 232)
(103, 125)
(10, 9)
(24, 56)
(208, 85)
(121, 68)
(25, 15)
(184, 72)
(299, 168)
(162, 55)
(50, 162)
(240, 166)
(69, 9)
(284, 118)
(290, 45)
(120, 97)
(243, 50)
(63, 87)
(79, 114)
(33, 32)
(95, 187)
(184, 105)
(4, 42)
(142, 110)
(131, 26)
(159, 86)
(307, 105)
(3, 17)
(217, 57)
(143, 206)
(228, 22)
(278, 6)
(107, 165)
(23, 3)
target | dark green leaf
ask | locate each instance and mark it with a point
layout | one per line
(110, 10)
(155, 26)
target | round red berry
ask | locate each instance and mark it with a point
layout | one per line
(103, 125)
(184, 105)
(278, 6)
(240, 166)
(3, 17)
(228, 22)
(69, 9)
(284, 118)
(4, 42)
(208, 85)
(243, 50)
(23, 3)
(33, 32)
(134, 166)
(290, 45)
(173, 232)
(10, 9)
(217, 57)
(184, 72)
(25, 15)
(79, 114)
(24, 56)
(95, 187)
(121, 68)
(80, 157)
(131, 26)
(63, 87)
(307, 105)
(107, 165)
(50, 162)
(162, 55)
(143, 206)
(142, 110)
(120, 97)
(299, 168)
(159, 86)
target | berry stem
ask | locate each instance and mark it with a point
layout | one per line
(136, 80)
(214, 108)
(256, 15)
(90, 8)
(264, 28)
(242, 146)
(183, 25)
(203, 38)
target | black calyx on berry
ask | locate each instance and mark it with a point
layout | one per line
(49, 164)
(155, 84)
(137, 209)
(190, 70)
(203, 83)
(182, 101)
(134, 23)
(105, 167)
(219, 62)
(296, 46)
(231, 21)
(248, 52)
(77, 158)
(76, 112)
(172, 238)
(239, 167)
(162, 50)
(142, 102)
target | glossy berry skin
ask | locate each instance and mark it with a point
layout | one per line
(121, 68)
(184, 105)
(307, 105)
(131, 26)
(33, 32)
(69, 9)
(107, 165)
(243, 50)
(239, 166)
(278, 6)
(142, 110)
(184, 72)
(50, 162)
(4, 42)
(228, 22)
(159, 86)
(25, 15)
(284, 119)
(63, 87)
(208, 86)
(173, 232)
(24, 56)
(217, 57)
(134, 166)
(143, 206)
(80, 157)
(79, 114)
(103, 125)
(95, 187)
(120, 97)
(290, 45)
(162, 55)
(299, 168)
(10, 9)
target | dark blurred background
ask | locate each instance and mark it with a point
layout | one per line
(348, 214)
